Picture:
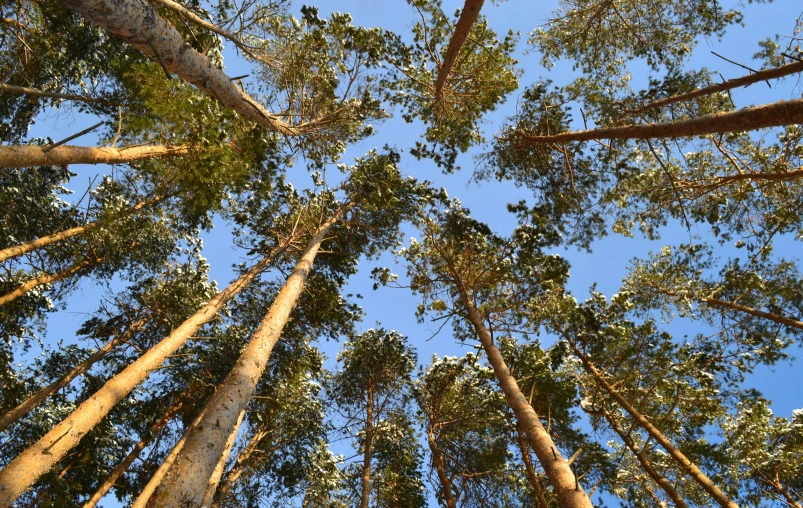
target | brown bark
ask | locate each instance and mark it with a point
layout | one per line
(44, 241)
(528, 465)
(38, 397)
(468, 17)
(138, 24)
(243, 460)
(48, 279)
(217, 473)
(775, 318)
(186, 481)
(774, 73)
(365, 492)
(688, 466)
(20, 156)
(21, 90)
(790, 500)
(746, 119)
(121, 468)
(440, 468)
(24, 470)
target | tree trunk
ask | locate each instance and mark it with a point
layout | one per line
(186, 481)
(121, 468)
(528, 465)
(20, 156)
(365, 493)
(138, 24)
(656, 434)
(217, 473)
(24, 470)
(468, 17)
(775, 318)
(437, 459)
(237, 470)
(47, 279)
(790, 500)
(21, 90)
(44, 241)
(777, 72)
(38, 397)
(746, 119)
(566, 486)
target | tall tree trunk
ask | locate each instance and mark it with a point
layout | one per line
(468, 17)
(48, 279)
(121, 468)
(38, 397)
(755, 77)
(137, 23)
(688, 466)
(44, 241)
(365, 493)
(440, 468)
(789, 498)
(32, 463)
(566, 486)
(746, 119)
(21, 90)
(775, 318)
(217, 473)
(186, 481)
(21, 156)
(243, 460)
(524, 447)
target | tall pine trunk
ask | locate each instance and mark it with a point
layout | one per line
(524, 447)
(217, 473)
(21, 156)
(243, 460)
(437, 459)
(468, 18)
(365, 493)
(48, 278)
(32, 463)
(186, 481)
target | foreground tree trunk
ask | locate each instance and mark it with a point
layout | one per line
(437, 459)
(21, 156)
(747, 119)
(688, 466)
(24, 470)
(48, 279)
(121, 468)
(365, 493)
(468, 18)
(44, 241)
(38, 397)
(186, 481)
(217, 473)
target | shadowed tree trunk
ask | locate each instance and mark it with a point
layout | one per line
(440, 468)
(365, 492)
(48, 279)
(21, 156)
(243, 460)
(211, 485)
(528, 465)
(468, 17)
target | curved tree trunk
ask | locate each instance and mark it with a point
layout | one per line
(44, 241)
(688, 466)
(747, 119)
(186, 481)
(48, 279)
(365, 492)
(32, 463)
(217, 473)
(21, 90)
(38, 397)
(528, 465)
(468, 17)
(437, 459)
(121, 468)
(20, 156)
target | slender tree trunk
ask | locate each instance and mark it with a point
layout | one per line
(239, 467)
(656, 434)
(437, 459)
(24, 470)
(44, 241)
(21, 90)
(775, 318)
(38, 397)
(468, 18)
(646, 465)
(789, 498)
(365, 493)
(566, 486)
(48, 279)
(186, 481)
(138, 24)
(217, 473)
(528, 465)
(20, 156)
(121, 468)
(777, 72)
(746, 119)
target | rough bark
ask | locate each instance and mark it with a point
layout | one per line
(48, 279)
(688, 466)
(21, 90)
(775, 318)
(37, 398)
(774, 73)
(468, 17)
(528, 465)
(243, 460)
(440, 468)
(757, 117)
(32, 463)
(217, 473)
(365, 492)
(20, 156)
(137, 23)
(186, 481)
(121, 468)
(24, 248)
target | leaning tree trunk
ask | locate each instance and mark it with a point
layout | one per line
(32, 463)
(775, 318)
(687, 465)
(38, 397)
(21, 156)
(24, 248)
(565, 484)
(524, 447)
(747, 119)
(468, 18)
(48, 279)
(121, 468)
(217, 473)
(440, 468)
(186, 481)
(243, 460)
(365, 493)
